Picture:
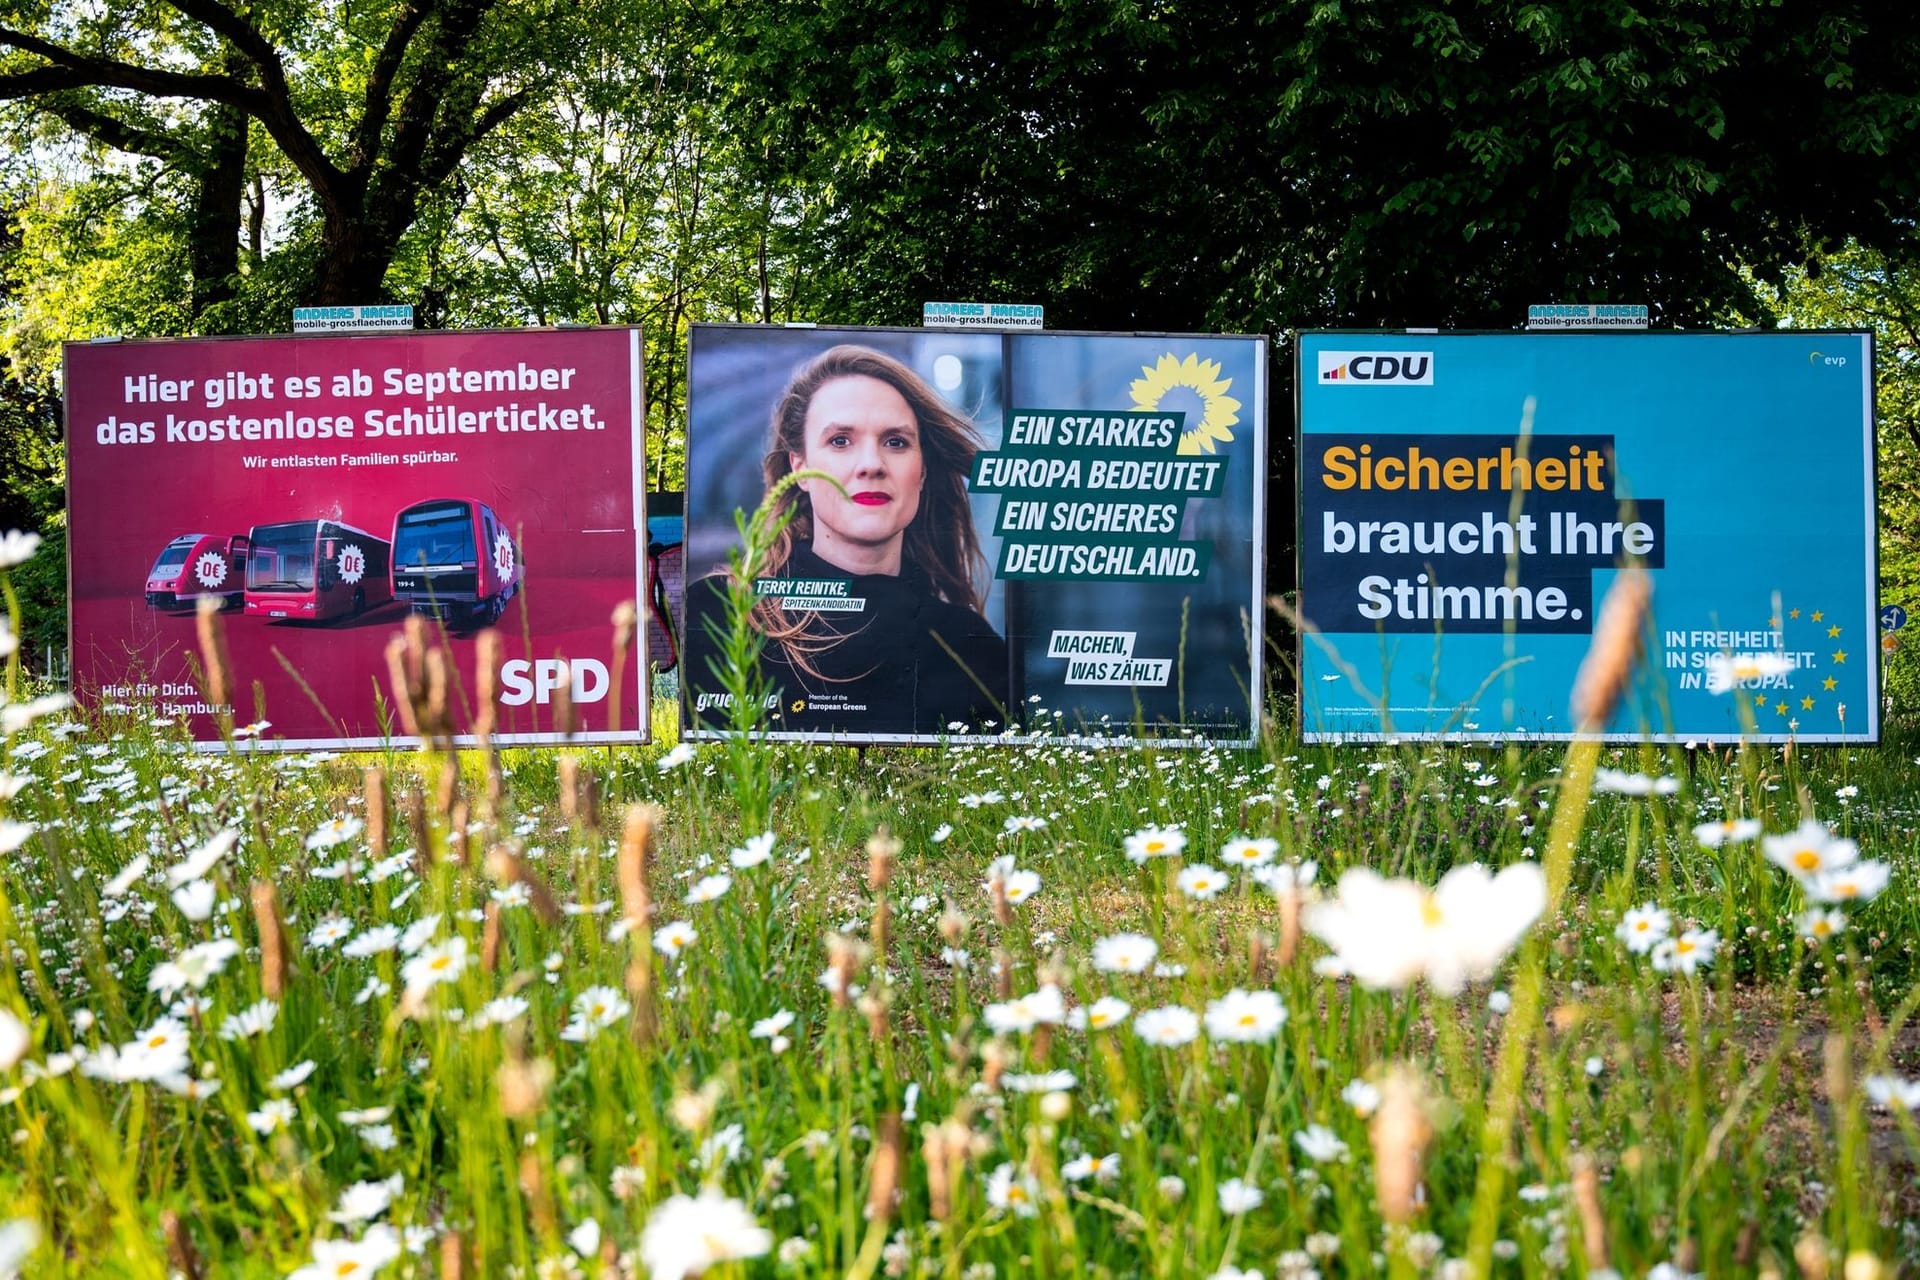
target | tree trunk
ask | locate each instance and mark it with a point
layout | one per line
(213, 235)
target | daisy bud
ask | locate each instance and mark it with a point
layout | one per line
(1002, 974)
(1615, 648)
(1400, 1131)
(1862, 1265)
(1593, 1219)
(213, 660)
(273, 939)
(1810, 1255)
(1002, 907)
(885, 1180)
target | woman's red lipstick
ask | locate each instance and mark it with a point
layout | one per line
(871, 499)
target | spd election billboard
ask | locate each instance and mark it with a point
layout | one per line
(1053, 532)
(322, 488)
(1467, 499)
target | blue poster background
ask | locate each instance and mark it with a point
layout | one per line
(1739, 465)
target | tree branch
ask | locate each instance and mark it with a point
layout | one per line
(119, 134)
(436, 82)
(272, 109)
(72, 70)
(379, 101)
(241, 34)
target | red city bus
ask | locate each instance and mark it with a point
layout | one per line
(195, 565)
(454, 559)
(311, 570)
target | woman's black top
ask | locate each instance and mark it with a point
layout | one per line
(904, 661)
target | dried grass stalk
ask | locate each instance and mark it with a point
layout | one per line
(275, 953)
(1616, 647)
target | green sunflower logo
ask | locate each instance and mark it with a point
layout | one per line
(1195, 387)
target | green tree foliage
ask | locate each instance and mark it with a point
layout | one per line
(627, 202)
(1313, 162)
(621, 204)
(1860, 288)
(367, 109)
(33, 487)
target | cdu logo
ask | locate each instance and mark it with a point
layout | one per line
(1377, 368)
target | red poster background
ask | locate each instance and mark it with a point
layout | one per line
(571, 499)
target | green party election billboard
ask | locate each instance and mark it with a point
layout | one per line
(1466, 500)
(998, 533)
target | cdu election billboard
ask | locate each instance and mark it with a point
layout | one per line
(1052, 533)
(321, 489)
(1467, 499)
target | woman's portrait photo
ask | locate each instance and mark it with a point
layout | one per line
(883, 628)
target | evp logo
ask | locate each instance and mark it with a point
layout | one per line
(1377, 368)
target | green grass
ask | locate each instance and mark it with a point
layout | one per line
(1723, 1113)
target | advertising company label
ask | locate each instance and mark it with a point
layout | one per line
(1586, 316)
(982, 315)
(365, 319)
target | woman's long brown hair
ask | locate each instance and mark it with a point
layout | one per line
(940, 542)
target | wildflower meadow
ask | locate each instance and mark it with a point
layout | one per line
(985, 1010)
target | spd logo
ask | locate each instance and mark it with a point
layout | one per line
(1377, 368)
